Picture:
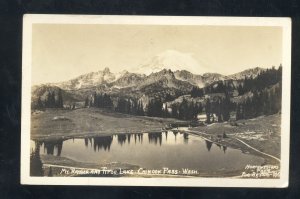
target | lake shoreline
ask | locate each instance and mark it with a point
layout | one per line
(96, 120)
(59, 164)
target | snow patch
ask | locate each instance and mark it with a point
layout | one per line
(170, 59)
(252, 135)
(60, 118)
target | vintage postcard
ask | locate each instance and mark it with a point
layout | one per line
(155, 101)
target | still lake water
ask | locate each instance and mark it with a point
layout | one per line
(151, 150)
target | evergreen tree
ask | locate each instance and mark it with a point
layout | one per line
(226, 107)
(266, 108)
(272, 102)
(40, 104)
(52, 100)
(219, 110)
(127, 106)
(255, 104)
(155, 107)
(158, 107)
(247, 105)
(183, 110)
(95, 99)
(191, 112)
(36, 165)
(60, 103)
(104, 101)
(195, 110)
(174, 111)
(197, 92)
(121, 105)
(166, 111)
(86, 102)
(168, 97)
(242, 112)
(277, 97)
(241, 90)
(238, 112)
(199, 107)
(150, 108)
(141, 108)
(48, 100)
(134, 107)
(208, 110)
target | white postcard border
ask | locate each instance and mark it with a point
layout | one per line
(30, 19)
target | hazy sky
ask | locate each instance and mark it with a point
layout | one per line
(61, 52)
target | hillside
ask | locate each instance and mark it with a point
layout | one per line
(253, 72)
(43, 91)
(165, 84)
(88, 80)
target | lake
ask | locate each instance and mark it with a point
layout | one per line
(151, 150)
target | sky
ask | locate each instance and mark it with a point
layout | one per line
(64, 51)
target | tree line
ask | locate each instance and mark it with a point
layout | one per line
(99, 101)
(154, 108)
(186, 110)
(218, 87)
(52, 101)
(129, 106)
(219, 106)
(265, 79)
(264, 102)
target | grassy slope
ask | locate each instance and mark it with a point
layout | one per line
(84, 122)
(89, 121)
(92, 121)
(262, 133)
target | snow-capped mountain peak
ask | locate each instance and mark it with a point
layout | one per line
(170, 59)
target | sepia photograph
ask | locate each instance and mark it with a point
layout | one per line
(155, 101)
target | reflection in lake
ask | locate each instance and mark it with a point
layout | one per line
(155, 138)
(185, 137)
(224, 149)
(87, 141)
(151, 150)
(121, 139)
(166, 135)
(208, 144)
(51, 145)
(102, 143)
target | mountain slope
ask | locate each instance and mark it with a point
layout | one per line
(252, 72)
(164, 83)
(170, 59)
(196, 80)
(88, 80)
(42, 91)
(128, 79)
